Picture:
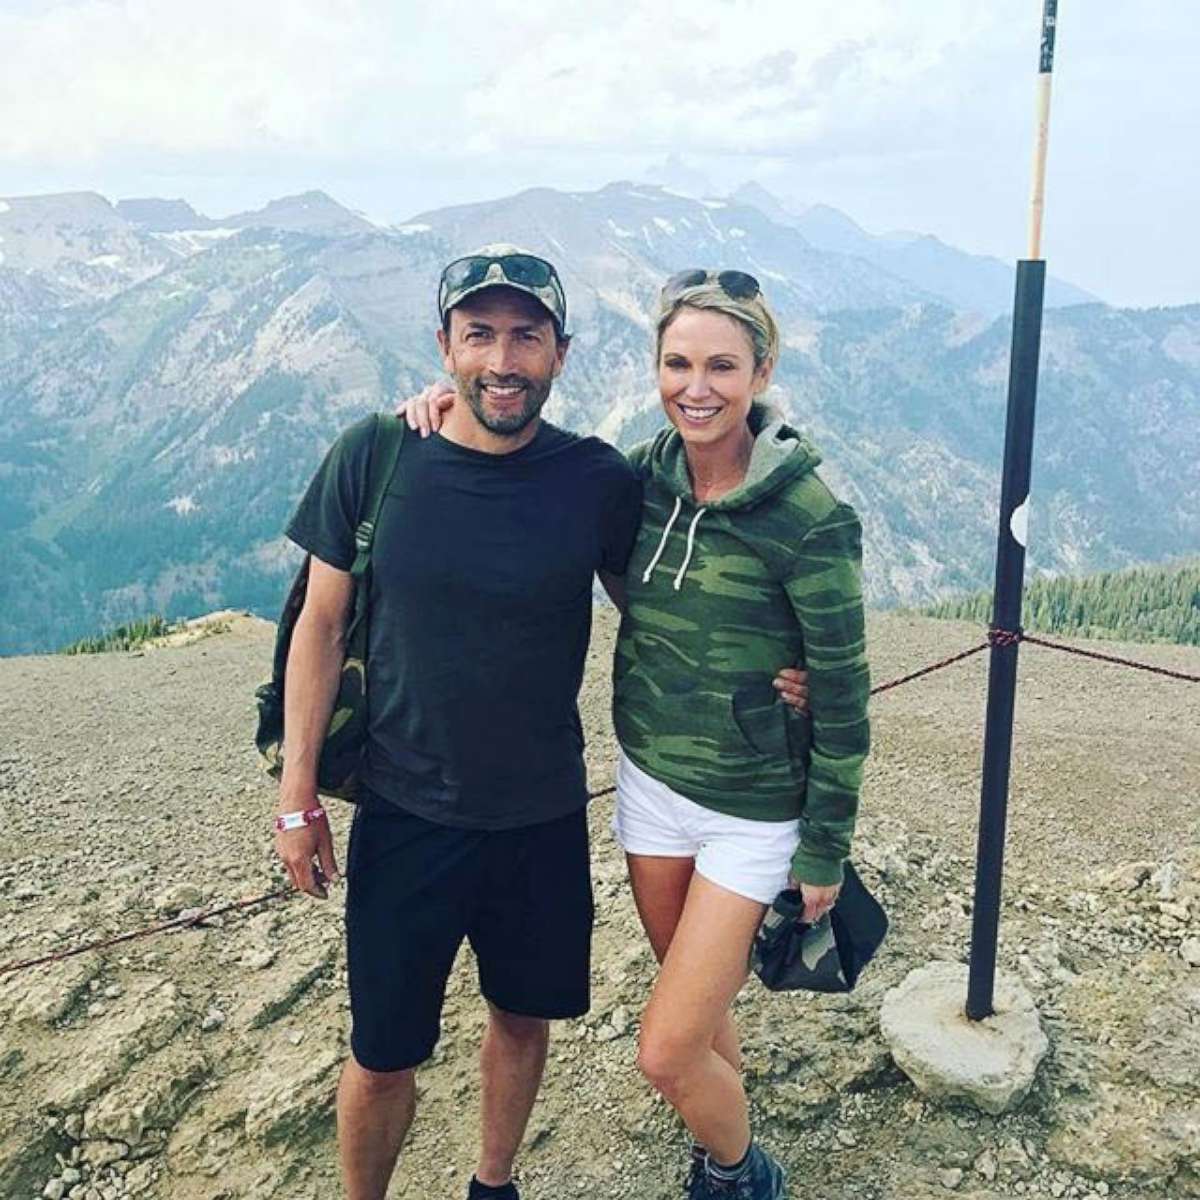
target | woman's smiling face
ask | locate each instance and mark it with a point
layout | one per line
(706, 375)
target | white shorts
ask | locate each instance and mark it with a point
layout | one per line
(751, 858)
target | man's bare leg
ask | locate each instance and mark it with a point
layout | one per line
(374, 1112)
(511, 1062)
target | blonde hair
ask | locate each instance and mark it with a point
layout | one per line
(754, 316)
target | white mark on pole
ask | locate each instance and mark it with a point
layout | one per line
(1019, 522)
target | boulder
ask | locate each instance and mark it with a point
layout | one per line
(990, 1063)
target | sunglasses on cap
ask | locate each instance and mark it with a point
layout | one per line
(737, 285)
(524, 271)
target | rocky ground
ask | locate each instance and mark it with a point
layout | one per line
(200, 1064)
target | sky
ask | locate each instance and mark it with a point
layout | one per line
(915, 116)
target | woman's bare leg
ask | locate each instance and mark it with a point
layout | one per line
(704, 968)
(660, 889)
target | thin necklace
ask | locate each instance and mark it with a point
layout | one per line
(735, 476)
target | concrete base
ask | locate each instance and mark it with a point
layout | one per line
(989, 1063)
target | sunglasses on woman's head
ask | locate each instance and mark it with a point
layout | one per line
(737, 285)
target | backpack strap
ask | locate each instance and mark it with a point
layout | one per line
(385, 454)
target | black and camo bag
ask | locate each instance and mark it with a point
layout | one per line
(828, 956)
(341, 755)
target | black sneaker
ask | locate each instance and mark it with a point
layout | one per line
(477, 1191)
(761, 1179)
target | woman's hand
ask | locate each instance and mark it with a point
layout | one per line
(817, 900)
(792, 685)
(423, 412)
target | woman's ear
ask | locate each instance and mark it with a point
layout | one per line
(762, 376)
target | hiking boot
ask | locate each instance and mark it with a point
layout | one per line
(507, 1192)
(761, 1179)
(695, 1168)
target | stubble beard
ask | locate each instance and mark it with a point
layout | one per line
(511, 423)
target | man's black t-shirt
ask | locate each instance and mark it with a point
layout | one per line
(480, 614)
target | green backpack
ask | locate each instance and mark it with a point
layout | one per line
(341, 755)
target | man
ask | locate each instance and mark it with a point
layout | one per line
(473, 822)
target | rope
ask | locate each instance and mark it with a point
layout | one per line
(937, 666)
(1111, 658)
(996, 637)
(177, 923)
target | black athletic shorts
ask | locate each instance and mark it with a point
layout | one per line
(522, 897)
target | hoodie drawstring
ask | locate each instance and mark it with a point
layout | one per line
(663, 544)
(691, 544)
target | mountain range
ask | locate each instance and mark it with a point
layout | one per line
(168, 382)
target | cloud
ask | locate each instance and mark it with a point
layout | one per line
(768, 77)
(84, 80)
(87, 79)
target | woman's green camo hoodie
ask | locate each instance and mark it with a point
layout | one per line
(721, 595)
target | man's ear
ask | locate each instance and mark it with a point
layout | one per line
(443, 341)
(562, 345)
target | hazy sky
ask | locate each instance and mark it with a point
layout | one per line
(912, 115)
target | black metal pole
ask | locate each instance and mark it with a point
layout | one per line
(1010, 564)
(1006, 615)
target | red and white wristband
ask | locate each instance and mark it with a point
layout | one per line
(298, 820)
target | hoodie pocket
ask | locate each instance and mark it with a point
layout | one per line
(772, 728)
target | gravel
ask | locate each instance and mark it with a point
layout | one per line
(200, 1064)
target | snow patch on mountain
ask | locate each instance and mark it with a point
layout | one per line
(713, 228)
(187, 242)
(225, 456)
(626, 304)
(275, 557)
(664, 225)
(805, 338)
(413, 228)
(5, 207)
(1182, 345)
(623, 411)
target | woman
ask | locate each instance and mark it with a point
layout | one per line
(745, 559)
(725, 795)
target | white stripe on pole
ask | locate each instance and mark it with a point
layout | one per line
(1037, 201)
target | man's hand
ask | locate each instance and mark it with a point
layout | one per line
(423, 412)
(792, 685)
(299, 847)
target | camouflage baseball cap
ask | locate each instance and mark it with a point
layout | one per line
(503, 265)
